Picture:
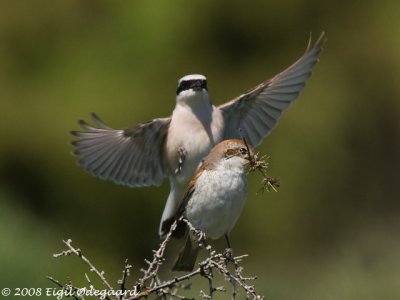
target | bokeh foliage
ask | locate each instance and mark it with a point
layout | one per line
(331, 232)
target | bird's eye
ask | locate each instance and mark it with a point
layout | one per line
(243, 150)
(182, 87)
(204, 83)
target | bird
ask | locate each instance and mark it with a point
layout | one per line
(174, 146)
(214, 198)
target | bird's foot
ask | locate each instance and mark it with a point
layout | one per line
(182, 157)
(228, 254)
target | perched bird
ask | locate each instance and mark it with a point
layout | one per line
(214, 198)
(173, 147)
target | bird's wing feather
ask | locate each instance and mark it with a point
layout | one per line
(258, 110)
(131, 156)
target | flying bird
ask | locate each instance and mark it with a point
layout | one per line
(173, 147)
(214, 198)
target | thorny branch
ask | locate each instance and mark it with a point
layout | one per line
(150, 284)
(68, 288)
(78, 252)
(158, 259)
(125, 274)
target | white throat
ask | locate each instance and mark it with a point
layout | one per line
(193, 98)
(234, 164)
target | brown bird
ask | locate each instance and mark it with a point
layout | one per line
(214, 198)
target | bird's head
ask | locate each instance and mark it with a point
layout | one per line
(230, 154)
(191, 87)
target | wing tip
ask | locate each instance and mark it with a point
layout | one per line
(74, 143)
(318, 44)
(320, 41)
(99, 122)
(75, 133)
(84, 124)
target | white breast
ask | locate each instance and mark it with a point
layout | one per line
(217, 201)
(196, 128)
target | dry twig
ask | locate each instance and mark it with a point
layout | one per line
(78, 252)
(150, 283)
(261, 164)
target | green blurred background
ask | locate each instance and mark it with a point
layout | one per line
(332, 230)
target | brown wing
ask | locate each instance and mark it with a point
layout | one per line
(181, 229)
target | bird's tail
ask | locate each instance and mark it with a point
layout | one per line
(171, 207)
(187, 256)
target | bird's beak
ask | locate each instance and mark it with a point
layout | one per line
(197, 86)
(255, 158)
(251, 160)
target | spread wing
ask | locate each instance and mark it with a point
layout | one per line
(131, 156)
(258, 110)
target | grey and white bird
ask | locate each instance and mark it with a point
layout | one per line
(173, 147)
(214, 198)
